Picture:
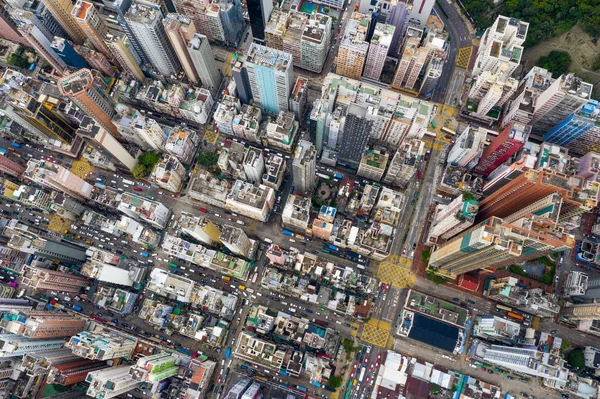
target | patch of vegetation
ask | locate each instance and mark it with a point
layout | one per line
(565, 345)
(467, 196)
(575, 359)
(139, 171)
(149, 159)
(435, 388)
(436, 278)
(546, 19)
(335, 382)
(556, 61)
(426, 255)
(349, 348)
(548, 276)
(208, 159)
(17, 60)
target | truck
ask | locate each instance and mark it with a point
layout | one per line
(15, 144)
(145, 254)
(284, 372)
(352, 254)
(288, 233)
(333, 247)
(338, 176)
(301, 388)
(3, 150)
(228, 353)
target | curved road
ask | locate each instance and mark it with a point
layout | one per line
(460, 37)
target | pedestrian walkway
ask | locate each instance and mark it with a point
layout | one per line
(59, 224)
(376, 332)
(464, 57)
(81, 168)
(396, 272)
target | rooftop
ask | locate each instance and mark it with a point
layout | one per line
(266, 57)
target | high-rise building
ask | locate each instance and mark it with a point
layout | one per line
(589, 166)
(137, 128)
(398, 17)
(259, 12)
(199, 228)
(357, 130)
(88, 90)
(8, 28)
(180, 31)
(155, 368)
(74, 371)
(468, 146)
(44, 279)
(40, 42)
(105, 143)
(579, 131)
(404, 163)
(12, 345)
(501, 44)
(562, 98)
(92, 25)
(199, 372)
(67, 53)
(98, 345)
(521, 108)
(353, 49)
(41, 324)
(242, 81)
(271, 77)
(123, 51)
(505, 174)
(578, 196)
(420, 12)
(236, 240)
(11, 167)
(61, 10)
(453, 218)
(203, 60)
(315, 42)
(413, 59)
(583, 311)
(145, 20)
(496, 242)
(304, 167)
(502, 148)
(373, 163)
(111, 382)
(378, 50)
(299, 98)
(219, 20)
(489, 92)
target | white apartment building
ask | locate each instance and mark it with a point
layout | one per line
(501, 44)
(145, 21)
(110, 382)
(197, 105)
(246, 125)
(521, 108)
(169, 173)
(304, 167)
(468, 146)
(453, 218)
(13, 345)
(226, 112)
(236, 240)
(254, 201)
(136, 128)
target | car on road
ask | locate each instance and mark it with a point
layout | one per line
(523, 394)
(553, 332)
(404, 251)
(456, 299)
(471, 302)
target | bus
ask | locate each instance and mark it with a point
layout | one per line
(254, 278)
(348, 389)
(448, 131)
(173, 265)
(324, 176)
(430, 134)
(515, 316)
(362, 373)
(15, 144)
(326, 250)
(128, 182)
(3, 150)
(503, 307)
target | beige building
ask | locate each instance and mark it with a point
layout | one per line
(254, 201)
(373, 164)
(44, 279)
(296, 213)
(200, 228)
(92, 25)
(236, 240)
(282, 131)
(412, 61)
(169, 173)
(121, 48)
(180, 31)
(353, 48)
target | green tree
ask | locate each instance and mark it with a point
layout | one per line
(207, 159)
(335, 382)
(426, 255)
(557, 62)
(139, 171)
(17, 60)
(576, 359)
(435, 388)
(565, 345)
(149, 159)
